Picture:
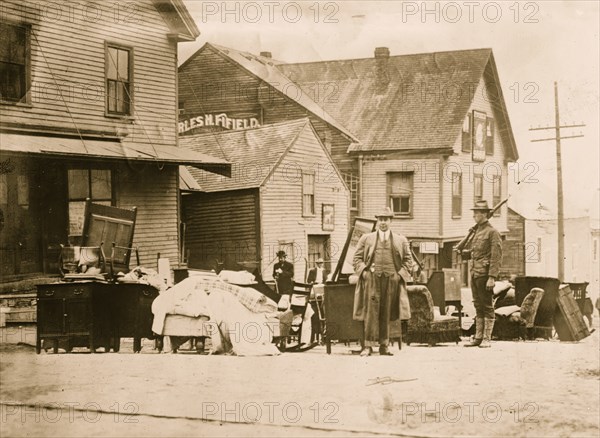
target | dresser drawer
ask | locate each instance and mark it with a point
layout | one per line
(61, 291)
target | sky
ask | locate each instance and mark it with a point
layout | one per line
(534, 43)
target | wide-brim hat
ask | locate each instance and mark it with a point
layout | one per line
(481, 206)
(281, 254)
(386, 212)
(320, 260)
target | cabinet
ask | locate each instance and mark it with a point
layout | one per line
(132, 304)
(338, 307)
(74, 315)
(93, 314)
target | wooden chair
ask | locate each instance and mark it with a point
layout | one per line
(424, 326)
(76, 260)
(120, 257)
(299, 302)
(104, 223)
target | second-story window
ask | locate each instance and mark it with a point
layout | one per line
(14, 62)
(119, 77)
(466, 134)
(308, 194)
(352, 182)
(400, 190)
(456, 195)
(496, 192)
(478, 187)
(489, 136)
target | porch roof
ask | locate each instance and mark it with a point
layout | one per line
(62, 147)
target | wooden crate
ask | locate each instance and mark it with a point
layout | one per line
(568, 319)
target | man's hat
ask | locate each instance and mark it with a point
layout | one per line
(386, 212)
(481, 205)
(281, 254)
(320, 260)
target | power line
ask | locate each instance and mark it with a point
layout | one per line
(557, 138)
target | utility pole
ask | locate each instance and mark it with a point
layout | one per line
(559, 186)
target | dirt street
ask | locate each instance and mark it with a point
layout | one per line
(542, 388)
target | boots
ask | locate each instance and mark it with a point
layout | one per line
(478, 333)
(487, 333)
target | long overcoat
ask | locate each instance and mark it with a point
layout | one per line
(403, 262)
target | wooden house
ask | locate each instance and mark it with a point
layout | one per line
(434, 136)
(284, 193)
(88, 102)
(250, 90)
(426, 134)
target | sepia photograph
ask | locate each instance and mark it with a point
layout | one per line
(299, 218)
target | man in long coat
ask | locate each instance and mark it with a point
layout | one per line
(383, 263)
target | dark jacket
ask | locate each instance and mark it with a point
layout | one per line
(285, 282)
(487, 251)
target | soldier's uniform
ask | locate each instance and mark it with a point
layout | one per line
(486, 257)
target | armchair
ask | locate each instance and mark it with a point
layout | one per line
(424, 326)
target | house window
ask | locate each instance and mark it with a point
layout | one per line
(118, 80)
(496, 192)
(95, 184)
(489, 137)
(456, 195)
(400, 190)
(308, 194)
(477, 187)
(14, 62)
(466, 134)
(352, 183)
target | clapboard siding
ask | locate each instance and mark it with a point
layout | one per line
(425, 202)
(208, 83)
(154, 193)
(463, 162)
(220, 226)
(281, 204)
(74, 48)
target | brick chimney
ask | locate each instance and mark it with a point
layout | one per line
(266, 54)
(382, 74)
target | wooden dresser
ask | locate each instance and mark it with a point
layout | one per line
(93, 314)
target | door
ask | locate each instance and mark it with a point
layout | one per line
(319, 247)
(20, 235)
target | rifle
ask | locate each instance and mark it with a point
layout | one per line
(467, 239)
(416, 259)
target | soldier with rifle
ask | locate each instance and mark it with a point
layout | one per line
(484, 248)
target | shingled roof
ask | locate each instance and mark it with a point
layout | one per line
(253, 154)
(420, 101)
(266, 70)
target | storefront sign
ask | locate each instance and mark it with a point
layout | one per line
(217, 120)
(429, 247)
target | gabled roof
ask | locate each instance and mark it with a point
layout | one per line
(266, 70)
(253, 153)
(423, 105)
(178, 19)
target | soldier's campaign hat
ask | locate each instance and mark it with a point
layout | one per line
(320, 260)
(481, 206)
(386, 212)
(281, 254)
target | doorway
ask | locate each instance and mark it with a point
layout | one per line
(318, 246)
